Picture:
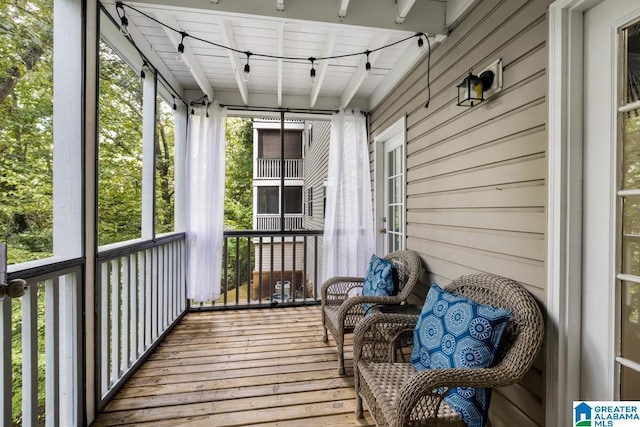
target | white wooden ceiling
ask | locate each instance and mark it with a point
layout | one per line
(284, 28)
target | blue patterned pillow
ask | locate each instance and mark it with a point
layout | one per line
(381, 279)
(456, 332)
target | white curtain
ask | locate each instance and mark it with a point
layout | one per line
(205, 202)
(348, 229)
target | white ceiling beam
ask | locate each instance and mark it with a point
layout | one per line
(427, 16)
(238, 70)
(402, 9)
(189, 58)
(280, 5)
(343, 5)
(280, 41)
(129, 53)
(327, 49)
(357, 78)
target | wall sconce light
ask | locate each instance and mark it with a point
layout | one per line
(476, 88)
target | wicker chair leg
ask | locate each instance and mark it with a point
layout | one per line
(359, 411)
(340, 342)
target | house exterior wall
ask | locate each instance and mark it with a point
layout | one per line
(476, 189)
(317, 166)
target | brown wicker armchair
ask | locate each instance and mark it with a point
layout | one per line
(340, 312)
(398, 395)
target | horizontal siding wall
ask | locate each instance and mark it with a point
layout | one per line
(316, 168)
(476, 176)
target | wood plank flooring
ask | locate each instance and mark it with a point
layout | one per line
(265, 367)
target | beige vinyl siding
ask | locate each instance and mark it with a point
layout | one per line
(476, 189)
(316, 168)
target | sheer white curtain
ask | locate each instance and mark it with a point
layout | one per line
(348, 239)
(205, 202)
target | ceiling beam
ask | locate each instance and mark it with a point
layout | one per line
(189, 58)
(229, 40)
(402, 9)
(280, 41)
(427, 16)
(327, 49)
(129, 53)
(357, 78)
(343, 5)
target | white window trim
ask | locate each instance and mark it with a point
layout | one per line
(399, 127)
(564, 205)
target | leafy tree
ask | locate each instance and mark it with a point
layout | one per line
(120, 150)
(26, 110)
(238, 202)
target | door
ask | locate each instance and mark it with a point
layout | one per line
(610, 341)
(390, 217)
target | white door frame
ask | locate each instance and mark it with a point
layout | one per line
(564, 207)
(565, 292)
(399, 127)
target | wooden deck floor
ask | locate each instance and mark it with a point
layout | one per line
(241, 368)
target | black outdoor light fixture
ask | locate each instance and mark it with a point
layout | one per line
(471, 90)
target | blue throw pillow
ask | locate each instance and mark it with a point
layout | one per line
(456, 332)
(381, 279)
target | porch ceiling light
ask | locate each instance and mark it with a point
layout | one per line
(471, 90)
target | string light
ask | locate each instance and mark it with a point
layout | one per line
(247, 67)
(124, 21)
(120, 8)
(207, 109)
(180, 55)
(142, 75)
(174, 106)
(312, 73)
(367, 66)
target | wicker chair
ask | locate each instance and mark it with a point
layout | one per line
(398, 395)
(340, 312)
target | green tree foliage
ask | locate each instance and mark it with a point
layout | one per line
(26, 110)
(120, 150)
(238, 201)
(165, 176)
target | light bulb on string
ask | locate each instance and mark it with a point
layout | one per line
(174, 106)
(180, 54)
(124, 21)
(142, 74)
(420, 41)
(367, 65)
(312, 73)
(247, 67)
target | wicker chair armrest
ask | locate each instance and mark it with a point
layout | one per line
(372, 337)
(337, 288)
(425, 390)
(353, 305)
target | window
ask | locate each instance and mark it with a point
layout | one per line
(268, 200)
(629, 214)
(293, 200)
(269, 144)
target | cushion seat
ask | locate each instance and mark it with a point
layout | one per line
(385, 380)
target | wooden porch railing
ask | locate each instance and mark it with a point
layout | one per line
(140, 293)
